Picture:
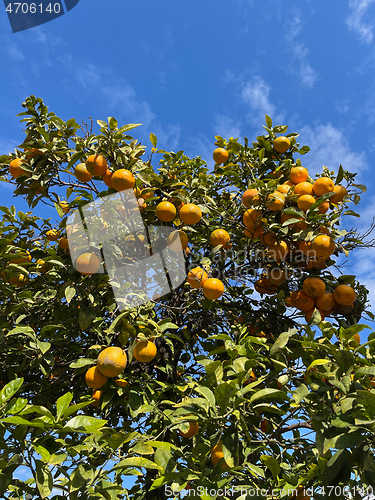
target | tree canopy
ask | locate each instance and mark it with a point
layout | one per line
(249, 378)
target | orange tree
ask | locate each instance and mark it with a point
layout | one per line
(250, 375)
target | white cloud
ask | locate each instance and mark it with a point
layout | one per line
(330, 146)
(226, 126)
(10, 48)
(299, 65)
(256, 94)
(355, 20)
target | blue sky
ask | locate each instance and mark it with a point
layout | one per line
(192, 70)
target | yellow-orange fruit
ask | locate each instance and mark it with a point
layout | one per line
(302, 301)
(87, 264)
(220, 155)
(278, 251)
(96, 395)
(213, 288)
(298, 174)
(190, 214)
(250, 197)
(196, 277)
(283, 189)
(144, 351)
(15, 168)
(122, 179)
(220, 237)
(111, 361)
(63, 243)
(217, 453)
(303, 188)
(323, 207)
(82, 174)
(325, 301)
(52, 235)
(165, 211)
(323, 185)
(193, 429)
(275, 201)
(94, 378)
(305, 202)
(323, 246)
(177, 241)
(344, 295)
(252, 219)
(339, 193)
(314, 287)
(268, 239)
(96, 165)
(281, 144)
(107, 178)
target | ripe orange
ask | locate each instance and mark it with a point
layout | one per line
(88, 263)
(323, 246)
(96, 395)
(265, 426)
(149, 195)
(122, 179)
(298, 174)
(301, 494)
(344, 295)
(107, 178)
(275, 201)
(165, 211)
(52, 235)
(193, 429)
(252, 219)
(144, 351)
(197, 277)
(314, 287)
(112, 361)
(283, 189)
(122, 383)
(278, 276)
(213, 288)
(323, 185)
(220, 155)
(32, 152)
(323, 208)
(303, 188)
(94, 378)
(19, 280)
(15, 169)
(325, 301)
(250, 197)
(43, 266)
(22, 256)
(220, 237)
(217, 453)
(82, 174)
(177, 241)
(264, 285)
(302, 301)
(96, 165)
(268, 239)
(190, 214)
(309, 314)
(340, 192)
(357, 338)
(305, 202)
(63, 243)
(278, 251)
(281, 144)
(252, 235)
(305, 247)
(343, 310)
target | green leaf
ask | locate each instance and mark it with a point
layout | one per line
(268, 393)
(361, 187)
(86, 317)
(318, 362)
(10, 389)
(153, 139)
(137, 462)
(300, 393)
(268, 121)
(112, 122)
(43, 452)
(208, 394)
(280, 129)
(62, 404)
(82, 362)
(69, 292)
(350, 212)
(82, 423)
(164, 459)
(102, 124)
(44, 479)
(162, 445)
(272, 464)
(125, 128)
(340, 175)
